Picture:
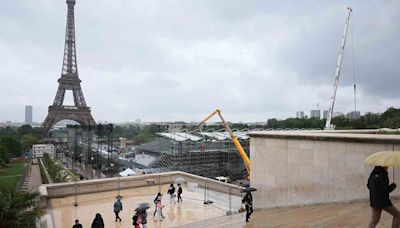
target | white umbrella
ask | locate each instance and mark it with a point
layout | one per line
(180, 180)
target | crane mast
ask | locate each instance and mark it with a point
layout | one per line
(235, 141)
(328, 124)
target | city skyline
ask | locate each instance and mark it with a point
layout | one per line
(253, 61)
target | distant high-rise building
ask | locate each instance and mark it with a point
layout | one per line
(353, 115)
(325, 114)
(300, 114)
(28, 114)
(336, 114)
(315, 114)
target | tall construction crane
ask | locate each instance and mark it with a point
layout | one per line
(235, 141)
(328, 124)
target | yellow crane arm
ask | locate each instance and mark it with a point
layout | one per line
(235, 141)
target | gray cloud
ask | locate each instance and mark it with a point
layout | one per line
(179, 60)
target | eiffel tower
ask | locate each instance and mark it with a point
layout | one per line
(69, 80)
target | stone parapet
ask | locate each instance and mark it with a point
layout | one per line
(57, 190)
(369, 136)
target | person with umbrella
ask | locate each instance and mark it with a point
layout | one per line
(142, 214)
(117, 209)
(135, 219)
(379, 187)
(248, 201)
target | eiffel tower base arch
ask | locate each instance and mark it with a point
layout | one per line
(81, 115)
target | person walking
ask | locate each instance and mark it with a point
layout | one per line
(117, 209)
(379, 189)
(171, 192)
(98, 221)
(248, 203)
(159, 215)
(179, 193)
(135, 221)
(143, 217)
(77, 224)
(158, 198)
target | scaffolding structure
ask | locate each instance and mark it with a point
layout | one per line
(208, 154)
(91, 146)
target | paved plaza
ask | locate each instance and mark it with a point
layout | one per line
(63, 213)
(35, 180)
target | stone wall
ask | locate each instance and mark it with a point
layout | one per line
(58, 190)
(304, 168)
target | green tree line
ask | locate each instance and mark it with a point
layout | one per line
(14, 141)
(388, 119)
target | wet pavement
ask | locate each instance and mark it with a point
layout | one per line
(192, 209)
(324, 215)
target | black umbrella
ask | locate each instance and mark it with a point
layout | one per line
(248, 189)
(142, 207)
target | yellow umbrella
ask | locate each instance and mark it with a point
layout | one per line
(389, 158)
(384, 158)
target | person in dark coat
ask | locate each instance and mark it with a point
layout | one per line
(135, 221)
(179, 193)
(77, 224)
(143, 217)
(248, 203)
(117, 209)
(379, 189)
(171, 192)
(98, 221)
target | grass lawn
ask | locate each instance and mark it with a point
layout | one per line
(10, 175)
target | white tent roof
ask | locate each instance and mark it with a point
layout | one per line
(127, 172)
(180, 136)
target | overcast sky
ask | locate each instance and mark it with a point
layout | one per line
(179, 60)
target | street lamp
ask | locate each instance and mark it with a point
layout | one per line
(91, 159)
(80, 164)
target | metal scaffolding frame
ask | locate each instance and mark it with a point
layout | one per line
(210, 155)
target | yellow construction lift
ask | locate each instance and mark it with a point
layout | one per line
(235, 141)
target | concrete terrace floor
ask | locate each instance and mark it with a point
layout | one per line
(63, 213)
(323, 215)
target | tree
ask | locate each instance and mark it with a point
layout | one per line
(12, 146)
(4, 156)
(25, 129)
(8, 131)
(19, 209)
(28, 140)
(272, 123)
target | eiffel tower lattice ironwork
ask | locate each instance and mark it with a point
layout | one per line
(69, 80)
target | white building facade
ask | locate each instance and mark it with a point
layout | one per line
(38, 150)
